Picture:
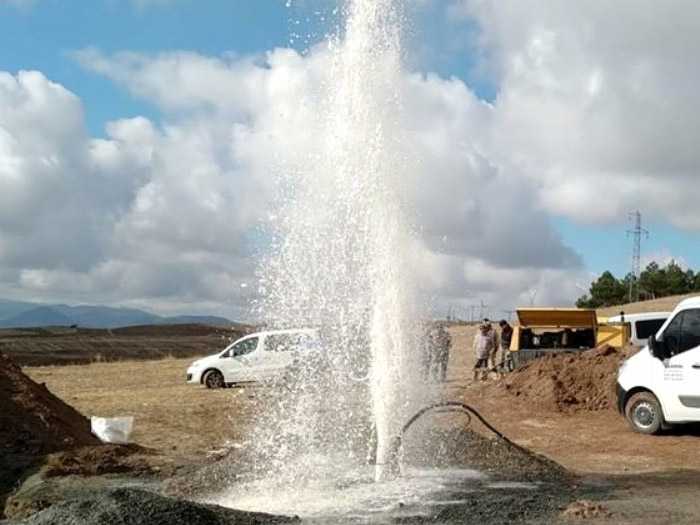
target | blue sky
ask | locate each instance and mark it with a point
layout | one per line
(446, 37)
(42, 36)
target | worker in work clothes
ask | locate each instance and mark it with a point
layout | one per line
(485, 347)
(430, 343)
(442, 352)
(506, 337)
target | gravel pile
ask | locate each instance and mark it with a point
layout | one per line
(125, 506)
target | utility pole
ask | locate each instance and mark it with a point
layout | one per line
(472, 312)
(533, 294)
(636, 233)
(482, 309)
(509, 313)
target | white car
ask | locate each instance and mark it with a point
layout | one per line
(256, 357)
(660, 385)
(642, 326)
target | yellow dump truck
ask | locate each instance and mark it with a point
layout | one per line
(542, 331)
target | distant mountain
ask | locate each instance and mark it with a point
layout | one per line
(106, 316)
(30, 315)
(39, 316)
(12, 308)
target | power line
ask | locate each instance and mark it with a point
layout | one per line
(636, 233)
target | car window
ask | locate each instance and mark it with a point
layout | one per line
(683, 333)
(244, 347)
(286, 342)
(690, 333)
(645, 329)
(672, 335)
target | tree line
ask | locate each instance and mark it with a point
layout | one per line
(654, 282)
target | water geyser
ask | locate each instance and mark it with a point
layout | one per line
(341, 260)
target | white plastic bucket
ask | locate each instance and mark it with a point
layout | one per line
(112, 429)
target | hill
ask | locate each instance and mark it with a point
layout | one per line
(39, 316)
(15, 314)
(664, 304)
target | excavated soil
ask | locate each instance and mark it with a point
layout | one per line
(569, 382)
(96, 461)
(33, 422)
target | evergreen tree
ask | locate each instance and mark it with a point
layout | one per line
(654, 282)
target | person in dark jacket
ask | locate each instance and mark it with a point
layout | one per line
(506, 338)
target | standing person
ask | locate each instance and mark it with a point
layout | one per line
(442, 357)
(506, 338)
(485, 345)
(428, 354)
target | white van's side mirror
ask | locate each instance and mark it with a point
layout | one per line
(658, 348)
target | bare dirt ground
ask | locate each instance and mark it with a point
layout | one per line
(585, 442)
(648, 479)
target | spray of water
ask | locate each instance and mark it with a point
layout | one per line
(340, 263)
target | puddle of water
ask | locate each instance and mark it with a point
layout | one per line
(353, 496)
(513, 485)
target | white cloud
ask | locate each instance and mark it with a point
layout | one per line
(146, 215)
(470, 205)
(594, 117)
(595, 103)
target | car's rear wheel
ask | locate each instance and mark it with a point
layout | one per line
(643, 413)
(213, 379)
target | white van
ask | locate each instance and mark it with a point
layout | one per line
(660, 385)
(256, 357)
(642, 326)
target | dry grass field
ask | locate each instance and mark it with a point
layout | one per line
(182, 422)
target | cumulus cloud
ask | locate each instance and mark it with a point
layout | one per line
(595, 103)
(593, 117)
(469, 206)
(147, 215)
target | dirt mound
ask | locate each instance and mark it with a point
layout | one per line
(32, 420)
(585, 509)
(95, 461)
(569, 382)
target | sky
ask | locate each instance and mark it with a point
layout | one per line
(136, 139)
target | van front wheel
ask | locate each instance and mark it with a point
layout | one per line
(643, 413)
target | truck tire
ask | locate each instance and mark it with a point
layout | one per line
(213, 379)
(643, 413)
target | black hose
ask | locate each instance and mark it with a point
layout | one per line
(456, 406)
